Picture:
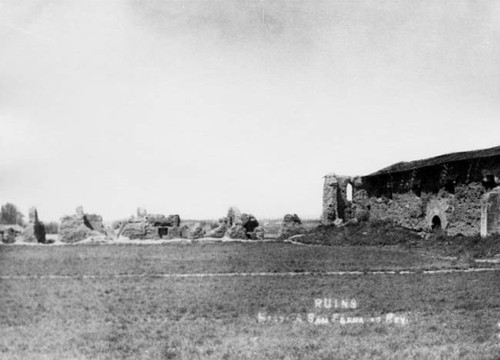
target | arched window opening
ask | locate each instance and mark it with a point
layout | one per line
(390, 187)
(417, 188)
(349, 192)
(489, 182)
(450, 186)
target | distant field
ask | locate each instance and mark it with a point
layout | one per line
(446, 316)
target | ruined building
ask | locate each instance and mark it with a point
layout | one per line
(146, 226)
(35, 230)
(237, 225)
(8, 233)
(81, 226)
(458, 193)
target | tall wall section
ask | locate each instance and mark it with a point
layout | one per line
(329, 213)
(490, 213)
(449, 196)
(336, 202)
(458, 213)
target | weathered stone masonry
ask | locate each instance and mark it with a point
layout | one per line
(457, 193)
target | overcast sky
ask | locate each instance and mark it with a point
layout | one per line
(190, 107)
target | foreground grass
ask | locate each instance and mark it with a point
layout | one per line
(450, 316)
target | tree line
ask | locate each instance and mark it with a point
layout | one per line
(11, 215)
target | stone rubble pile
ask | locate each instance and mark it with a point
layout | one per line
(81, 226)
(290, 226)
(237, 225)
(146, 226)
(35, 230)
(143, 226)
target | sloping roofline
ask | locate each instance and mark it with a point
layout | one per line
(437, 160)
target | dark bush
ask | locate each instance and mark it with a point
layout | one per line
(39, 230)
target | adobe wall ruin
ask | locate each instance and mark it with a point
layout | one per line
(146, 226)
(237, 225)
(35, 230)
(458, 197)
(80, 226)
(490, 213)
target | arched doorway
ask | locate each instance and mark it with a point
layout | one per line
(436, 223)
(162, 231)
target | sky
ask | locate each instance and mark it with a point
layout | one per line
(192, 106)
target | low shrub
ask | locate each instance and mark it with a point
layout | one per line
(372, 233)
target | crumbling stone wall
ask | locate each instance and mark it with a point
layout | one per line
(335, 202)
(74, 228)
(220, 231)
(146, 226)
(94, 222)
(436, 195)
(465, 210)
(9, 233)
(490, 213)
(290, 226)
(458, 213)
(407, 210)
(237, 225)
(35, 230)
(329, 199)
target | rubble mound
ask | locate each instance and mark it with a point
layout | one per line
(249, 222)
(237, 225)
(10, 233)
(153, 227)
(94, 222)
(197, 232)
(257, 234)
(290, 226)
(246, 228)
(233, 215)
(237, 231)
(35, 231)
(134, 229)
(75, 228)
(220, 230)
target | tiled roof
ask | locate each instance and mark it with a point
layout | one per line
(442, 159)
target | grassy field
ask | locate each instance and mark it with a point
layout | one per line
(442, 316)
(201, 257)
